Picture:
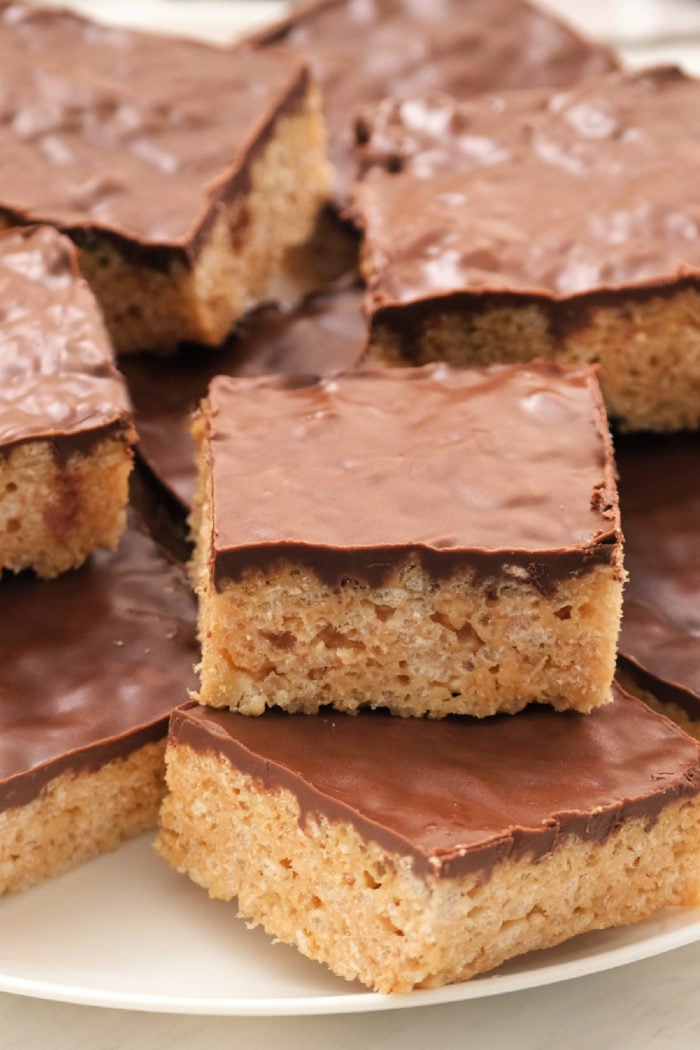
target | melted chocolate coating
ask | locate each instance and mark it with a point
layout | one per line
(560, 198)
(461, 794)
(660, 499)
(324, 333)
(362, 51)
(359, 473)
(57, 377)
(135, 135)
(91, 663)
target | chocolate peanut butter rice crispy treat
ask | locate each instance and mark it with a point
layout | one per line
(659, 650)
(184, 172)
(428, 540)
(91, 665)
(543, 224)
(364, 52)
(65, 425)
(411, 853)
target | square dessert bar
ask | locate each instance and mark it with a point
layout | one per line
(411, 853)
(184, 189)
(91, 665)
(429, 540)
(543, 224)
(65, 424)
(659, 648)
(362, 53)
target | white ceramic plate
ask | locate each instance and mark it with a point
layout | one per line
(126, 931)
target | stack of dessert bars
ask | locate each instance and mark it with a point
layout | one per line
(405, 750)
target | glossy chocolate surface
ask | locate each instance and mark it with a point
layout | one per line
(133, 134)
(358, 473)
(324, 333)
(559, 198)
(57, 377)
(660, 500)
(364, 50)
(461, 794)
(91, 663)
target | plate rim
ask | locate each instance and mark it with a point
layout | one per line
(485, 986)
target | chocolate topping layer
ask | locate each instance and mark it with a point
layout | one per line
(325, 333)
(91, 663)
(460, 794)
(135, 135)
(561, 198)
(57, 377)
(660, 498)
(361, 52)
(359, 473)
